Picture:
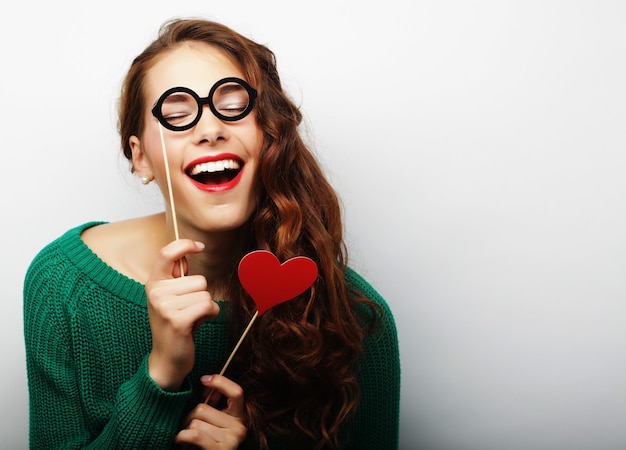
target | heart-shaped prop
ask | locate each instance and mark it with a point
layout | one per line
(269, 282)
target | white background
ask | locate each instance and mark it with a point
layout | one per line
(478, 147)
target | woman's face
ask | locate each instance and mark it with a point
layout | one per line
(212, 165)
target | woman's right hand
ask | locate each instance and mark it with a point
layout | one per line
(177, 306)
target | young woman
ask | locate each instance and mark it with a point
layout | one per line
(126, 326)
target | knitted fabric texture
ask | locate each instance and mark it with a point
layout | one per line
(87, 337)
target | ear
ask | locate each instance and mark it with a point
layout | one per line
(141, 162)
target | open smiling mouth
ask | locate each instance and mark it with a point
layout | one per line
(215, 173)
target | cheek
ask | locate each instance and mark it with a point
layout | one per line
(255, 142)
(255, 149)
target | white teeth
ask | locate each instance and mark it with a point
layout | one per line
(215, 166)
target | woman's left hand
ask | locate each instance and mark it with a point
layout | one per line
(207, 427)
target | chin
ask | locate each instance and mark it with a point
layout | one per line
(219, 223)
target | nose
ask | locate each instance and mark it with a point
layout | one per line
(210, 129)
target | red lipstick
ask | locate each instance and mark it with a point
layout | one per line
(215, 173)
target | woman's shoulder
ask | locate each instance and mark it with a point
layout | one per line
(57, 266)
(356, 282)
(97, 238)
(359, 285)
(127, 246)
(62, 247)
(94, 254)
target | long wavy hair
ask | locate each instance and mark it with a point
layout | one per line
(297, 367)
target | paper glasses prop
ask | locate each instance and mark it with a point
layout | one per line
(261, 274)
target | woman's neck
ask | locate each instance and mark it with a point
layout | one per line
(219, 259)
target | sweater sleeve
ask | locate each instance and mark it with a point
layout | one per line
(144, 416)
(141, 415)
(377, 422)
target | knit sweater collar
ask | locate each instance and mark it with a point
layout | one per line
(87, 262)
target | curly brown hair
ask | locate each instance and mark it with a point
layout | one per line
(297, 367)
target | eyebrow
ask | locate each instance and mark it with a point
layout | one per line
(177, 97)
(230, 87)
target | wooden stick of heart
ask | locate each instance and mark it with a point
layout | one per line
(171, 194)
(232, 354)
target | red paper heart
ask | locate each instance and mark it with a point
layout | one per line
(269, 282)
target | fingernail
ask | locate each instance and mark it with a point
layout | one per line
(199, 245)
(206, 378)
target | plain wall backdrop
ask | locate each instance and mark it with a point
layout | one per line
(479, 151)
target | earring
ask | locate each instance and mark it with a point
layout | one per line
(145, 180)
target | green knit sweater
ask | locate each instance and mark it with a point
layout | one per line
(87, 340)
